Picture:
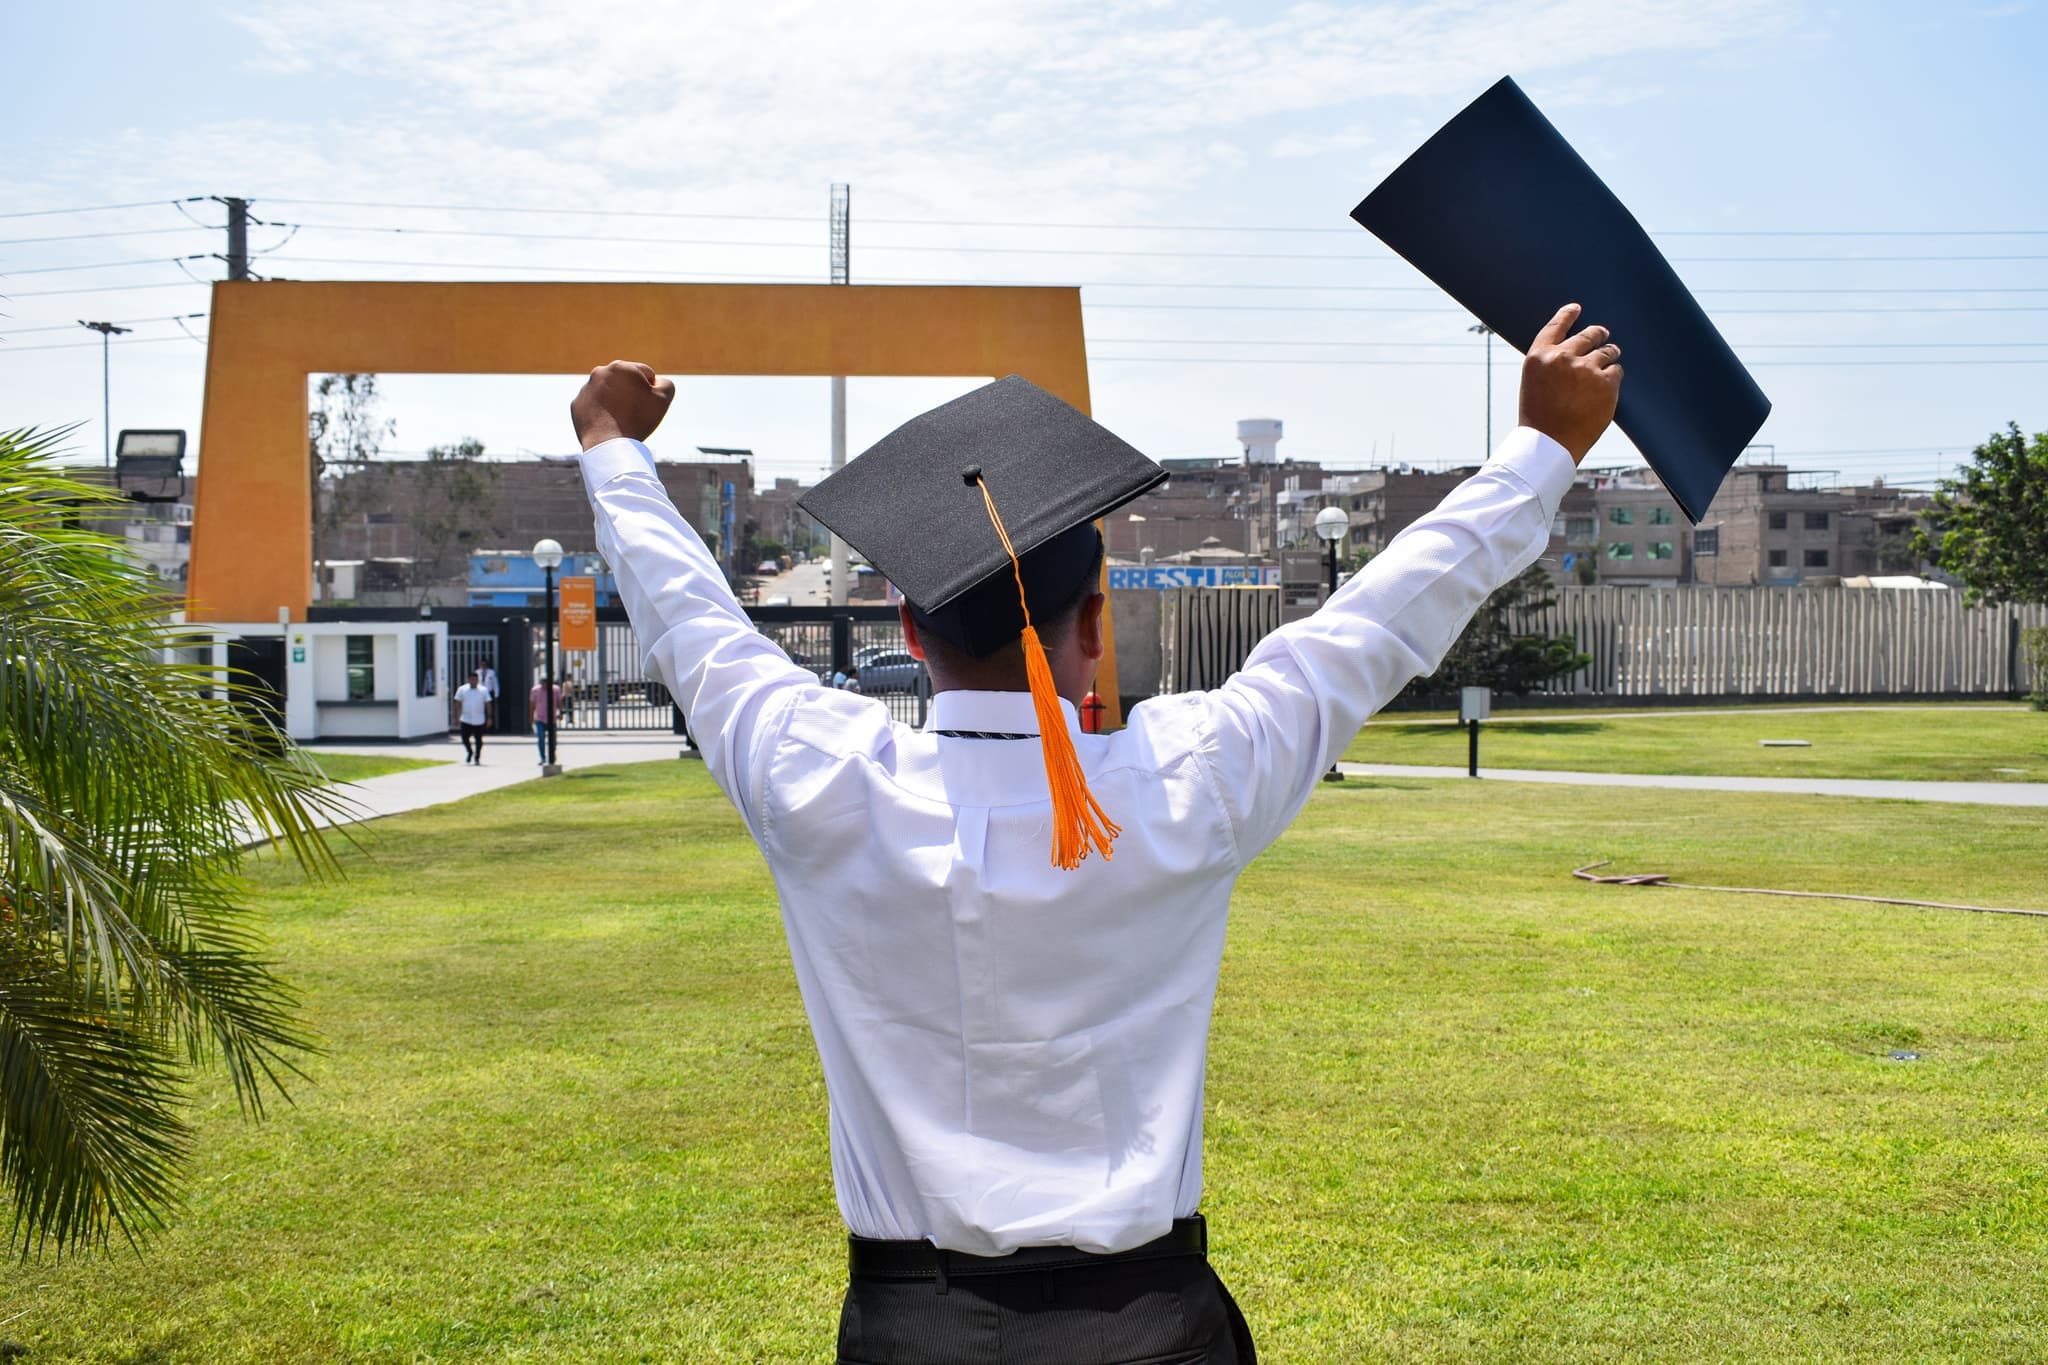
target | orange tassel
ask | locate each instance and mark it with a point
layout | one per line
(1078, 820)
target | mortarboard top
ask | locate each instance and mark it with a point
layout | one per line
(1501, 213)
(1051, 470)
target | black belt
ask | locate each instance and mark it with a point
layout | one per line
(870, 1258)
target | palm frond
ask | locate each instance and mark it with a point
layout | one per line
(129, 784)
(90, 1135)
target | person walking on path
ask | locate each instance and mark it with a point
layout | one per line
(473, 713)
(1010, 993)
(540, 713)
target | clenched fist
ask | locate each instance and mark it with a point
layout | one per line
(623, 398)
(1570, 382)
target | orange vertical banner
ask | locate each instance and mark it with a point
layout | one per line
(576, 600)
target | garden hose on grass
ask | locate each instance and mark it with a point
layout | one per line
(1585, 874)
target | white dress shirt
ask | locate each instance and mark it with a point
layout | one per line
(1014, 1054)
(475, 703)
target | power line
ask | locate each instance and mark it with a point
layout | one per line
(91, 208)
(137, 322)
(636, 273)
(592, 213)
(549, 269)
(105, 265)
(1719, 312)
(93, 345)
(1068, 251)
(1108, 227)
(1466, 346)
(1459, 364)
(103, 289)
(97, 236)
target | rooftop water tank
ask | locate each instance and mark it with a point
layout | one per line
(1260, 437)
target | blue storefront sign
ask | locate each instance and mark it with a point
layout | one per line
(1163, 576)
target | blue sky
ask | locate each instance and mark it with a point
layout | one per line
(1733, 128)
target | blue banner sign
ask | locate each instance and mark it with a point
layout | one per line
(1193, 575)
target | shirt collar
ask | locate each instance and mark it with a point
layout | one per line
(994, 712)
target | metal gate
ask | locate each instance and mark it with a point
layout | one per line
(607, 688)
(466, 655)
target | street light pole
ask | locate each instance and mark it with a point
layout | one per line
(549, 695)
(107, 331)
(1487, 333)
(1331, 526)
(548, 554)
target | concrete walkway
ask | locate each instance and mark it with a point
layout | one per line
(1765, 711)
(508, 759)
(1967, 793)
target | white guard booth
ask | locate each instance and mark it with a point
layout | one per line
(346, 679)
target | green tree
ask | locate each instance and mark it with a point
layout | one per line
(455, 501)
(128, 955)
(344, 436)
(2034, 641)
(1989, 527)
(1494, 653)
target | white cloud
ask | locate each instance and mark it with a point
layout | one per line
(1296, 145)
(1067, 111)
(1094, 107)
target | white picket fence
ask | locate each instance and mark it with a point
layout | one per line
(1787, 642)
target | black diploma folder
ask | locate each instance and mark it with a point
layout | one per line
(1501, 213)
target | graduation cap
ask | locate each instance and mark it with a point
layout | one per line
(1501, 213)
(982, 513)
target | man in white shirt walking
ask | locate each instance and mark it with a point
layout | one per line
(1014, 1043)
(473, 714)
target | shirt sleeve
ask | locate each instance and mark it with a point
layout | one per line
(1281, 721)
(730, 679)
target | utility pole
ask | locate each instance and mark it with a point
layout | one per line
(841, 230)
(238, 237)
(107, 331)
(1487, 333)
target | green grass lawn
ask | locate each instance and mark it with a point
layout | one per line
(1932, 743)
(1461, 1106)
(356, 767)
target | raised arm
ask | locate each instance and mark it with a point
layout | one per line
(1306, 688)
(727, 676)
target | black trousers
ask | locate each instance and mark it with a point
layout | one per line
(472, 740)
(1170, 1311)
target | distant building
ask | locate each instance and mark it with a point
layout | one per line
(1761, 529)
(386, 514)
(1643, 539)
(1385, 502)
(154, 525)
(776, 517)
(510, 578)
(1574, 552)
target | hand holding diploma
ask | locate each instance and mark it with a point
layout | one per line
(1571, 382)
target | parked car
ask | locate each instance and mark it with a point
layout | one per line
(888, 669)
(768, 566)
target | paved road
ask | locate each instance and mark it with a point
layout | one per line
(1967, 793)
(803, 585)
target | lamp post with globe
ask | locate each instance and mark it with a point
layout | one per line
(548, 554)
(1332, 523)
